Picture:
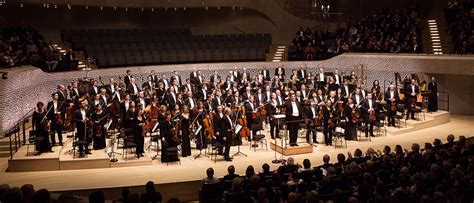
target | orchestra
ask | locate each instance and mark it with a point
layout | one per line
(209, 110)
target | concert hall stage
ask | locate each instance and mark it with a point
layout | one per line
(62, 157)
(56, 170)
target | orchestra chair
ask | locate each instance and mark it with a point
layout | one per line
(76, 143)
(33, 140)
(171, 153)
(259, 137)
(361, 132)
(215, 146)
(380, 125)
(210, 193)
(128, 145)
(419, 110)
(154, 138)
(338, 136)
(124, 134)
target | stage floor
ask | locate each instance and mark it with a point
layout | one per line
(192, 169)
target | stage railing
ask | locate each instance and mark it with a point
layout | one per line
(16, 136)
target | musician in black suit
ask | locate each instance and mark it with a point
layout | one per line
(81, 116)
(133, 89)
(218, 119)
(265, 73)
(433, 95)
(56, 109)
(61, 93)
(411, 91)
(251, 107)
(226, 129)
(294, 113)
(328, 117)
(280, 72)
(311, 116)
(94, 89)
(337, 78)
(321, 78)
(128, 78)
(193, 76)
(391, 96)
(217, 100)
(302, 73)
(176, 77)
(166, 132)
(214, 77)
(189, 101)
(171, 98)
(273, 110)
(369, 107)
(149, 84)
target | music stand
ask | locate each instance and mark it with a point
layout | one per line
(113, 138)
(201, 142)
(157, 139)
(277, 117)
(238, 127)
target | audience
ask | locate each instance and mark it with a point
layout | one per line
(440, 172)
(459, 20)
(436, 173)
(23, 46)
(384, 31)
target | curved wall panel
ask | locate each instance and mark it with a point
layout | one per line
(26, 86)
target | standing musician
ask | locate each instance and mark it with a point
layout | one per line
(81, 117)
(228, 132)
(41, 131)
(265, 73)
(302, 73)
(200, 113)
(391, 96)
(177, 78)
(433, 96)
(337, 78)
(171, 98)
(218, 119)
(273, 109)
(328, 122)
(128, 78)
(133, 89)
(357, 97)
(125, 106)
(321, 78)
(139, 130)
(280, 72)
(99, 133)
(251, 108)
(312, 114)
(168, 132)
(369, 108)
(351, 120)
(56, 117)
(293, 114)
(410, 93)
(185, 119)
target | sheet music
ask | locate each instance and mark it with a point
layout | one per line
(155, 127)
(107, 125)
(197, 130)
(238, 127)
(279, 116)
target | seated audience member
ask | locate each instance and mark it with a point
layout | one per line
(150, 195)
(97, 197)
(210, 179)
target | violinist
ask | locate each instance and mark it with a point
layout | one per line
(218, 118)
(139, 130)
(99, 133)
(259, 97)
(293, 113)
(369, 109)
(190, 101)
(104, 96)
(217, 100)
(311, 116)
(251, 109)
(357, 98)
(168, 132)
(391, 96)
(171, 98)
(81, 117)
(39, 123)
(351, 120)
(185, 119)
(199, 114)
(56, 117)
(328, 122)
(273, 109)
(125, 106)
(410, 93)
(375, 87)
(96, 101)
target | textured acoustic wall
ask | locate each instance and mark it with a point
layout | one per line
(26, 86)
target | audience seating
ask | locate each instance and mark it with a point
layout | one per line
(122, 47)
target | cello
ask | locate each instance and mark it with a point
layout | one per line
(208, 122)
(242, 120)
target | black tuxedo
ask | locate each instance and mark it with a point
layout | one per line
(193, 77)
(176, 77)
(311, 127)
(81, 128)
(61, 108)
(409, 98)
(171, 100)
(365, 110)
(390, 113)
(226, 130)
(131, 90)
(266, 76)
(214, 78)
(215, 102)
(282, 72)
(126, 80)
(188, 102)
(302, 74)
(290, 118)
(93, 91)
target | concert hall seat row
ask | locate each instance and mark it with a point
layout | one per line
(120, 47)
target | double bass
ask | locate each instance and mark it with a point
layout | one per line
(208, 123)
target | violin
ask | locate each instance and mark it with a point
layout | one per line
(59, 120)
(372, 116)
(393, 106)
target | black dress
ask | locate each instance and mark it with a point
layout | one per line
(185, 143)
(99, 139)
(351, 128)
(43, 145)
(433, 97)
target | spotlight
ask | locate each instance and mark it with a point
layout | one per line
(87, 7)
(143, 9)
(101, 8)
(175, 9)
(69, 6)
(21, 5)
(115, 8)
(152, 9)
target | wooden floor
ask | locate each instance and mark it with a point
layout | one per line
(192, 169)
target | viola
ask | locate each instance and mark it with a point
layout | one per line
(372, 116)
(59, 119)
